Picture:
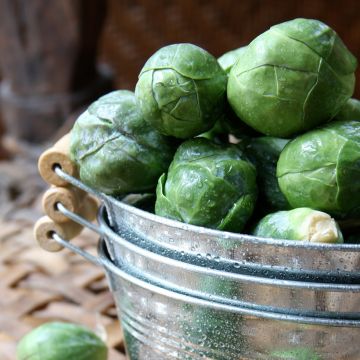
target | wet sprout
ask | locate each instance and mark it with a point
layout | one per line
(116, 150)
(208, 185)
(300, 224)
(320, 169)
(181, 90)
(291, 78)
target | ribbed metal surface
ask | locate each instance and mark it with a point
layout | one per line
(241, 253)
(175, 305)
(160, 325)
(253, 292)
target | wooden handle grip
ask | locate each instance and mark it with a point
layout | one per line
(71, 197)
(58, 155)
(45, 226)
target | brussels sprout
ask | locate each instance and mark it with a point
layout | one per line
(321, 169)
(181, 90)
(264, 152)
(349, 111)
(60, 341)
(208, 185)
(300, 224)
(116, 150)
(228, 60)
(292, 78)
(295, 354)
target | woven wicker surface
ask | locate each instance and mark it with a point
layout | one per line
(37, 286)
(135, 29)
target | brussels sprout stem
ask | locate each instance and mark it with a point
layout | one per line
(321, 228)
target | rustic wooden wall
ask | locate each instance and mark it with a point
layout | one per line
(136, 28)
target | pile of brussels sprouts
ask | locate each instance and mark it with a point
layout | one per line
(290, 168)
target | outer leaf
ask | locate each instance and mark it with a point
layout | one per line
(238, 214)
(163, 207)
(321, 39)
(228, 60)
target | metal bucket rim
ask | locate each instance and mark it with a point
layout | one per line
(112, 268)
(244, 238)
(212, 232)
(107, 231)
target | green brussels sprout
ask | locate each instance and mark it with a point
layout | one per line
(264, 153)
(349, 111)
(181, 90)
(60, 341)
(116, 150)
(208, 185)
(295, 354)
(228, 60)
(291, 78)
(300, 224)
(321, 169)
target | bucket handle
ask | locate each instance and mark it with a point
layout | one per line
(93, 259)
(77, 183)
(53, 199)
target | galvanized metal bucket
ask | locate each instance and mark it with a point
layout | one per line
(176, 305)
(161, 323)
(164, 321)
(232, 252)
